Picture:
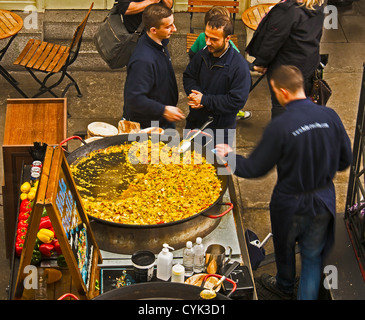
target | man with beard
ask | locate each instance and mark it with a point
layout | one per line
(217, 81)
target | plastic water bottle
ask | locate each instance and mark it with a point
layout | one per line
(198, 256)
(188, 259)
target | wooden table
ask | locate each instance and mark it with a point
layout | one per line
(253, 15)
(10, 25)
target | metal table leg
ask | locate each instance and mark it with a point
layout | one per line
(11, 80)
(8, 77)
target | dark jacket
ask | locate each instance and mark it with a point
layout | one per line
(131, 21)
(225, 86)
(308, 145)
(289, 34)
(150, 83)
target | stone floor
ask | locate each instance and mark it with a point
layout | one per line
(103, 101)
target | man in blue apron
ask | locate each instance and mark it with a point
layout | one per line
(308, 145)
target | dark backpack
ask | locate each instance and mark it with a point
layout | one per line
(113, 41)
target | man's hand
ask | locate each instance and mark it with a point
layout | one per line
(137, 7)
(260, 69)
(173, 114)
(223, 150)
(168, 3)
(194, 99)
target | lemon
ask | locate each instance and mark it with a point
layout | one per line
(31, 195)
(53, 275)
(23, 196)
(25, 187)
(33, 189)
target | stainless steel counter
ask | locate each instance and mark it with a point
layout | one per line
(225, 234)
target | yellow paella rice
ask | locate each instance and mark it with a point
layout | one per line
(165, 191)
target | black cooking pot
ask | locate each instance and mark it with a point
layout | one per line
(128, 238)
(157, 291)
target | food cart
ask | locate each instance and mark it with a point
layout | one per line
(92, 270)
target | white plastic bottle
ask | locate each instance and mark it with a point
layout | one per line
(178, 273)
(164, 263)
(188, 259)
(198, 256)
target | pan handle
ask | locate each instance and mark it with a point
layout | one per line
(68, 295)
(219, 276)
(209, 121)
(71, 138)
(224, 212)
(203, 133)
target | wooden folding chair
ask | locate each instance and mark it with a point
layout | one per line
(252, 16)
(205, 6)
(52, 59)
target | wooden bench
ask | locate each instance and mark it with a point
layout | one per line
(203, 6)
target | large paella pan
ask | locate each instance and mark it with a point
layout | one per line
(145, 213)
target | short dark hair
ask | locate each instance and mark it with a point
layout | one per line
(221, 21)
(214, 11)
(288, 77)
(153, 14)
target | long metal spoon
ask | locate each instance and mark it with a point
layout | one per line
(185, 144)
(211, 293)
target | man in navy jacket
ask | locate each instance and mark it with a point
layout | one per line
(308, 145)
(150, 92)
(217, 80)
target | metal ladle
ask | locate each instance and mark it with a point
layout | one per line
(208, 294)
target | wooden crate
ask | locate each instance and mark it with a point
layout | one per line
(27, 121)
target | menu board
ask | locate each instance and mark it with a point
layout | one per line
(63, 204)
(75, 229)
